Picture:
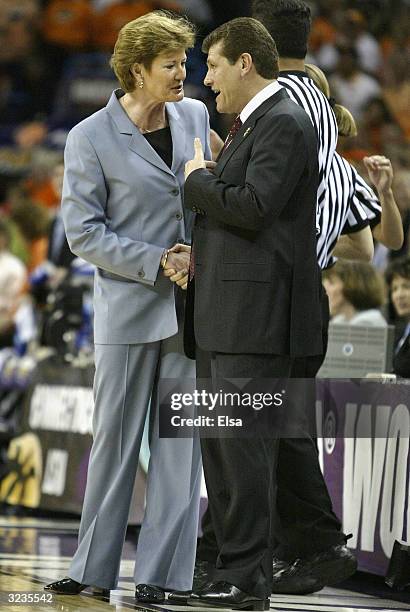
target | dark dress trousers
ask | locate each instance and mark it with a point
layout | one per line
(304, 514)
(256, 307)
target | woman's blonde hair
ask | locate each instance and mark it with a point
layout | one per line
(143, 39)
(346, 124)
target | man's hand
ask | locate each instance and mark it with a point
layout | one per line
(198, 161)
(181, 248)
(380, 172)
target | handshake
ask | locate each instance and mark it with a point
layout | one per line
(175, 264)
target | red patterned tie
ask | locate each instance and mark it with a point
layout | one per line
(236, 126)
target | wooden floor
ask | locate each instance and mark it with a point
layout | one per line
(34, 552)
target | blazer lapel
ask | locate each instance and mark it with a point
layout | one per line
(137, 142)
(178, 136)
(247, 128)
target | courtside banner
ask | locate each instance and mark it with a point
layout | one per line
(363, 430)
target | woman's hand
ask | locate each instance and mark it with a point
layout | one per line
(177, 265)
(389, 231)
(180, 278)
(380, 172)
(216, 143)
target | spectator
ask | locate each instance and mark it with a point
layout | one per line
(353, 87)
(107, 22)
(25, 86)
(397, 92)
(323, 32)
(401, 188)
(342, 28)
(33, 222)
(66, 23)
(398, 281)
(45, 181)
(59, 252)
(356, 292)
(199, 11)
(13, 278)
(377, 126)
(365, 44)
(394, 43)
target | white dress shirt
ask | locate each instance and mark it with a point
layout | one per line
(257, 100)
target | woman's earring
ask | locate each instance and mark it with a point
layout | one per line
(141, 83)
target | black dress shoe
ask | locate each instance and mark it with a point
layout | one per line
(66, 586)
(100, 592)
(279, 565)
(283, 578)
(226, 595)
(179, 598)
(311, 574)
(202, 574)
(148, 593)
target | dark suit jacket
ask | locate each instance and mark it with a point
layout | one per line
(257, 281)
(401, 359)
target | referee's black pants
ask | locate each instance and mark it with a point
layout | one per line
(304, 521)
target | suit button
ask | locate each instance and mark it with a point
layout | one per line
(175, 192)
(178, 216)
(141, 274)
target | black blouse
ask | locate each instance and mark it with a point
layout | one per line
(161, 141)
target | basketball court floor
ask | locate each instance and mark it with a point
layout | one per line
(34, 552)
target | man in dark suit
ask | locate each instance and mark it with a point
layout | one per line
(256, 283)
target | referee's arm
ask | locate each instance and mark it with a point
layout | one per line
(389, 231)
(358, 245)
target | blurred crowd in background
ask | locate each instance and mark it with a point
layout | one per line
(54, 71)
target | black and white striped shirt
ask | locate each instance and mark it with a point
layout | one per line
(303, 91)
(345, 202)
(352, 205)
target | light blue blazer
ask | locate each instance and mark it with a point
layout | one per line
(122, 206)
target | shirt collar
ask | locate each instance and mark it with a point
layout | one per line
(257, 100)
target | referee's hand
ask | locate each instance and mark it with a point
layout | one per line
(380, 172)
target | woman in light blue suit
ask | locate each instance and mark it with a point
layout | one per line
(122, 209)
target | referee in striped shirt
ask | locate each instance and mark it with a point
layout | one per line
(345, 204)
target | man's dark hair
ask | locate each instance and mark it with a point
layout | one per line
(288, 22)
(246, 35)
